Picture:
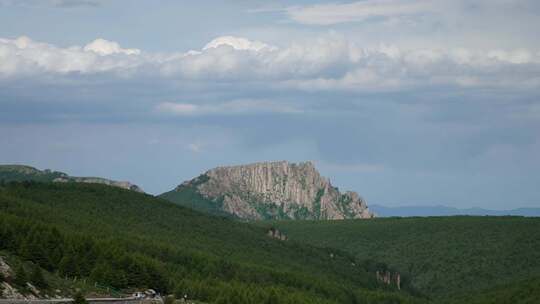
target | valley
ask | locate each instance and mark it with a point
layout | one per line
(101, 239)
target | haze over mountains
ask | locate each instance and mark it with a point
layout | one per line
(267, 190)
(406, 211)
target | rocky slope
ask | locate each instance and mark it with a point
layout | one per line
(22, 173)
(99, 180)
(271, 190)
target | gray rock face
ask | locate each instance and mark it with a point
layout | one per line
(277, 190)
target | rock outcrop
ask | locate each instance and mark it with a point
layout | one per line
(389, 278)
(276, 234)
(99, 180)
(27, 173)
(276, 190)
(6, 290)
(5, 270)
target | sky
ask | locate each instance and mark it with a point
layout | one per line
(408, 102)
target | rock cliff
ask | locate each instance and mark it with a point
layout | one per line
(275, 190)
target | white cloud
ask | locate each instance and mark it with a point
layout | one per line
(329, 62)
(516, 56)
(195, 147)
(179, 108)
(235, 107)
(238, 43)
(24, 57)
(326, 14)
(106, 47)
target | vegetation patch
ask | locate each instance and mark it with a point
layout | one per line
(317, 203)
(188, 196)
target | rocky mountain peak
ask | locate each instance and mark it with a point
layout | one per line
(276, 190)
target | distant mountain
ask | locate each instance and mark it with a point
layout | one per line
(407, 211)
(269, 190)
(10, 173)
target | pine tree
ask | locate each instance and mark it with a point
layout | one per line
(20, 277)
(79, 298)
(100, 274)
(31, 249)
(68, 266)
(37, 277)
(272, 297)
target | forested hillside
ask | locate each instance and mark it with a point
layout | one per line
(128, 240)
(524, 291)
(19, 173)
(445, 257)
(25, 173)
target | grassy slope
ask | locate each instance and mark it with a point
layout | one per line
(444, 256)
(170, 234)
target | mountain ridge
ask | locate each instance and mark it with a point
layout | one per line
(270, 190)
(14, 172)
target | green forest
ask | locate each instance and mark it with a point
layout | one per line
(131, 241)
(103, 239)
(463, 258)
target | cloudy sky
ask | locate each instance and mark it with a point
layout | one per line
(405, 101)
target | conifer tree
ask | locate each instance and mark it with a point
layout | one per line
(68, 266)
(37, 278)
(79, 298)
(272, 297)
(20, 276)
